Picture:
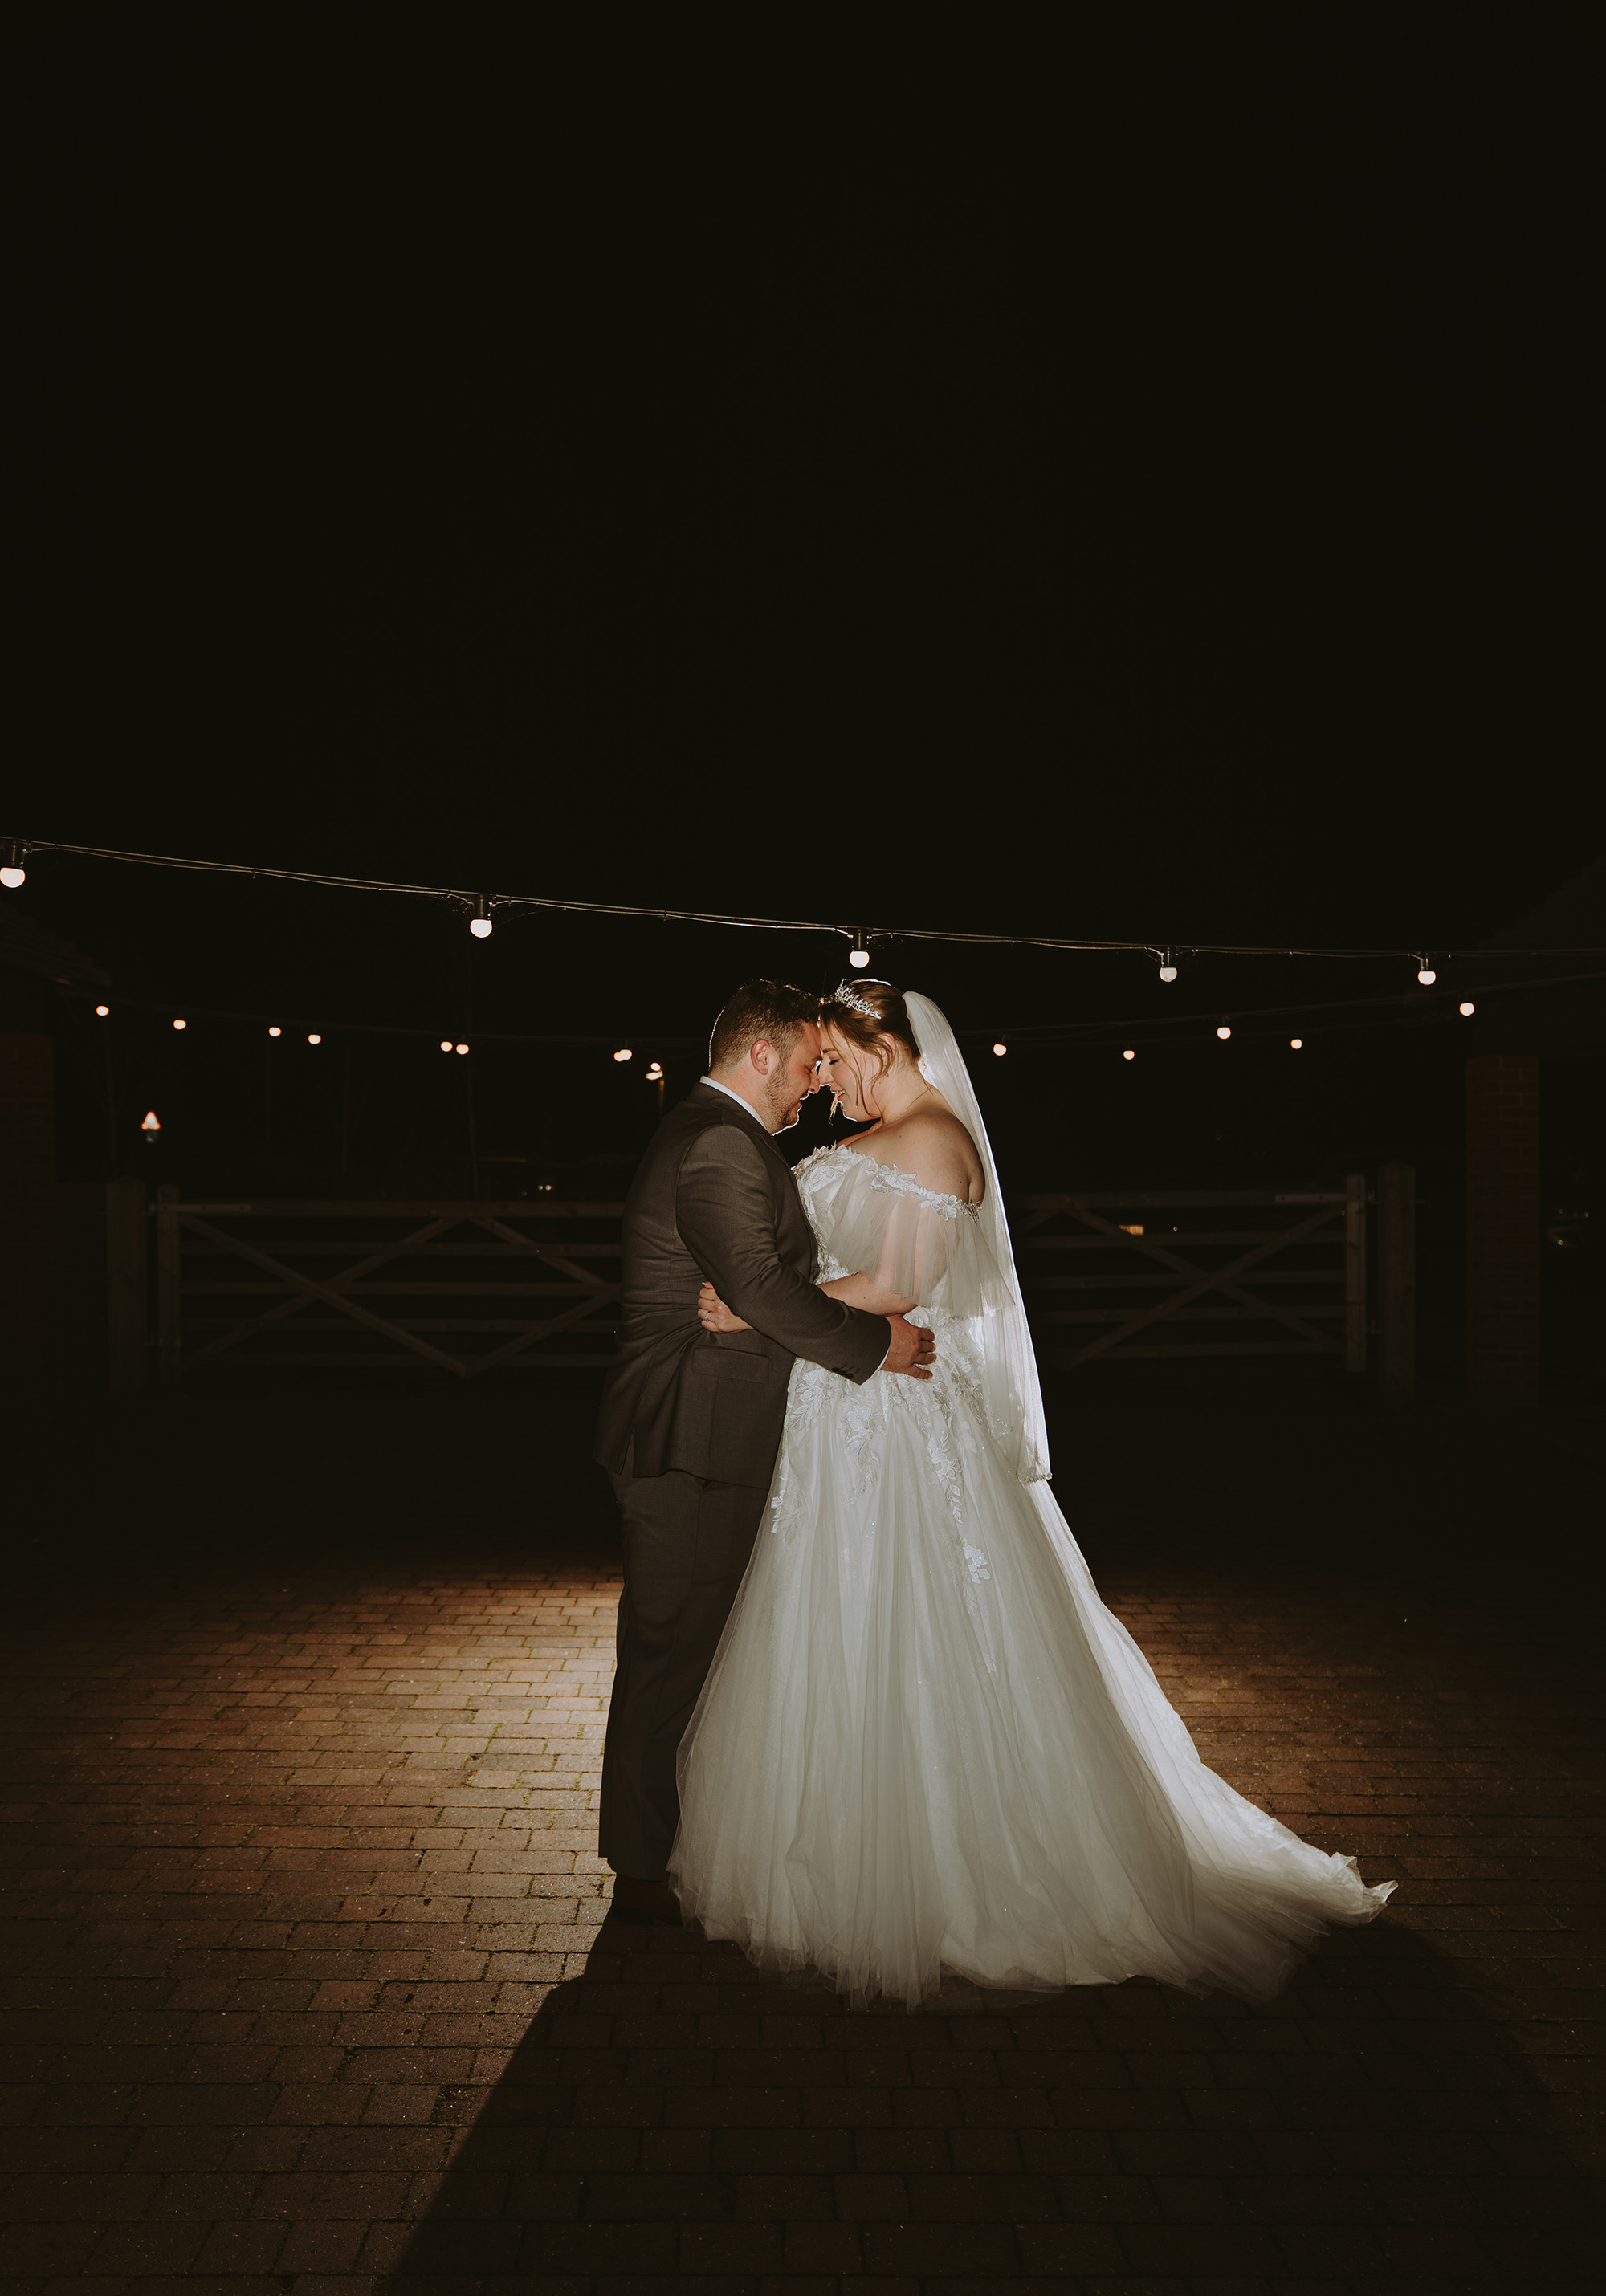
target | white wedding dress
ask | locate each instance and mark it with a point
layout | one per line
(925, 1744)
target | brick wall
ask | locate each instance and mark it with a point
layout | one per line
(1503, 1231)
(27, 1210)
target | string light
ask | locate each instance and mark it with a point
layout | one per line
(150, 1124)
(18, 848)
(462, 1048)
(1083, 1038)
(1425, 973)
(1128, 1056)
(12, 872)
(1168, 966)
(479, 924)
(654, 1075)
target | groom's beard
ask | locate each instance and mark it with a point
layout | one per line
(780, 1114)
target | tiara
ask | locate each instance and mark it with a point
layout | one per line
(842, 994)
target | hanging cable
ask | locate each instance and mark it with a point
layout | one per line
(857, 937)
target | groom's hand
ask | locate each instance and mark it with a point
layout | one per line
(913, 1348)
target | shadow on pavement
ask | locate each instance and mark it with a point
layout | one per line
(673, 2116)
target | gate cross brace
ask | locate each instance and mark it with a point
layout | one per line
(255, 1323)
(1215, 1280)
(303, 1288)
(310, 1289)
(596, 1291)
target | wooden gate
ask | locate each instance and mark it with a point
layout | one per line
(468, 1287)
(1188, 1272)
(465, 1288)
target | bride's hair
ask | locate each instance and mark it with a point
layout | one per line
(863, 1033)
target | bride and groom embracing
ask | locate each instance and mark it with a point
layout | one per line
(870, 1718)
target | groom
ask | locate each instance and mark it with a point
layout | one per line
(691, 1422)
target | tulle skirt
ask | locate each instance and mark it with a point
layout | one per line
(927, 1746)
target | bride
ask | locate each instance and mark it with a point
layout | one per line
(925, 1745)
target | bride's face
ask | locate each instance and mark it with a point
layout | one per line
(844, 1070)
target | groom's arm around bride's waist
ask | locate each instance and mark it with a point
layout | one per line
(725, 1209)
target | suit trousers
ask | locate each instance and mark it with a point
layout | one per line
(687, 1543)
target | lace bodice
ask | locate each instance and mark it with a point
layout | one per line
(872, 1219)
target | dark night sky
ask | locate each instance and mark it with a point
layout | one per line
(1140, 490)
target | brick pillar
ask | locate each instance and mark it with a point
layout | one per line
(27, 1210)
(1503, 1231)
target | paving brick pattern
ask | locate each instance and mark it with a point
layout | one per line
(313, 1985)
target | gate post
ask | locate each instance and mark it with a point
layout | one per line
(169, 1277)
(1355, 1271)
(126, 1308)
(1503, 1231)
(1396, 1283)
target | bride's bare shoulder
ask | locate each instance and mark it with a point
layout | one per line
(934, 1147)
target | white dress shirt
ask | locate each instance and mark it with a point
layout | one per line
(737, 1096)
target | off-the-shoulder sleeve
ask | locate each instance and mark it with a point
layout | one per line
(915, 1245)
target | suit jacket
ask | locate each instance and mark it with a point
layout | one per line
(714, 1197)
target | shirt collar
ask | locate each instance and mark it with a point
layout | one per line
(745, 1106)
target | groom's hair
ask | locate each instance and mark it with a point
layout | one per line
(772, 1009)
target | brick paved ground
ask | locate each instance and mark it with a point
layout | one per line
(312, 1985)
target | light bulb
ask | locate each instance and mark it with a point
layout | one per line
(624, 1054)
(655, 1073)
(1167, 966)
(101, 1011)
(859, 956)
(479, 924)
(181, 1024)
(276, 1031)
(1296, 1044)
(1128, 1056)
(1000, 1050)
(1466, 1011)
(446, 1044)
(314, 1038)
(1427, 975)
(150, 1121)
(462, 1048)
(12, 872)
(1224, 1032)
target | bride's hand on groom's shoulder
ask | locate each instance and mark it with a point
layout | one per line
(714, 1316)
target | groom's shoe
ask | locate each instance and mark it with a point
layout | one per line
(645, 1901)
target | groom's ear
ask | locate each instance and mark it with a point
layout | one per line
(761, 1052)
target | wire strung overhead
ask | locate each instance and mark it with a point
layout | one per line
(483, 909)
(1413, 1009)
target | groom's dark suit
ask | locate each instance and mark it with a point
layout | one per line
(690, 1424)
